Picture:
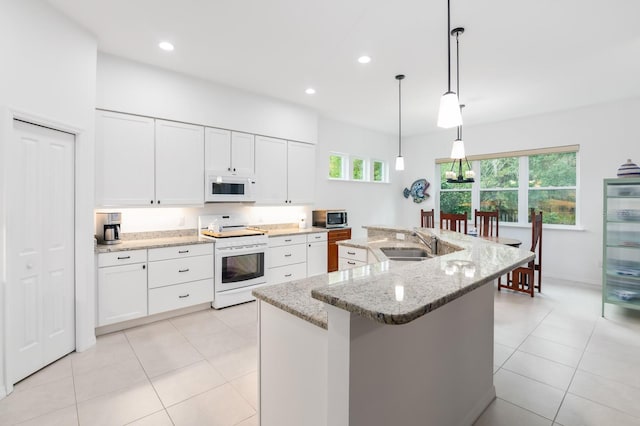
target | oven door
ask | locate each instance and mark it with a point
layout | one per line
(238, 267)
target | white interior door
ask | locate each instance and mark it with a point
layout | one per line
(40, 249)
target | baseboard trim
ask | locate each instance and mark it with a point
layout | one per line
(479, 408)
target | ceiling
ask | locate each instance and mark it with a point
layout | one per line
(517, 58)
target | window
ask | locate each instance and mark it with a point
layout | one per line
(552, 186)
(499, 187)
(514, 183)
(379, 173)
(357, 169)
(337, 166)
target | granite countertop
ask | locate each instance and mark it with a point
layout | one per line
(148, 243)
(392, 292)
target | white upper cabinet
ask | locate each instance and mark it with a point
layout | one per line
(179, 163)
(217, 150)
(229, 153)
(285, 171)
(301, 172)
(145, 162)
(242, 154)
(124, 160)
(271, 170)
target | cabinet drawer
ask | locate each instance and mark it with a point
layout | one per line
(348, 264)
(287, 240)
(287, 273)
(318, 236)
(339, 234)
(353, 253)
(287, 255)
(176, 252)
(122, 258)
(180, 296)
(176, 271)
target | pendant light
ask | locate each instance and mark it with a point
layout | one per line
(457, 150)
(449, 114)
(399, 158)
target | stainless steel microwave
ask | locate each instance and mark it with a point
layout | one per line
(330, 218)
(228, 189)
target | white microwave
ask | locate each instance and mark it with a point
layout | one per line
(228, 189)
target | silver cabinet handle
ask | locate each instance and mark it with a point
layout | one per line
(287, 255)
(317, 237)
(352, 253)
(124, 257)
(288, 275)
(351, 263)
(287, 241)
(183, 296)
(183, 251)
(183, 270)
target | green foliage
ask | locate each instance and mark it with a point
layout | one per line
(552, 170)
(455, 202)
(505, 201)
(335, 166)
(499, 173)
(558, 205)
(378, 173)
(358, 169)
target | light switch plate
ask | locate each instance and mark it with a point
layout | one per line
(399, 236)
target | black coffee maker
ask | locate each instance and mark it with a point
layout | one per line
(108, 227)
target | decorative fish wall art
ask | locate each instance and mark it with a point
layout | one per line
(418, 190)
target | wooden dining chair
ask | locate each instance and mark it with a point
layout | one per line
(523, 277)
(486, 223)
(454, 221)
(427, 218)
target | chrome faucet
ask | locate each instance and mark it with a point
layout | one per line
(432, 245)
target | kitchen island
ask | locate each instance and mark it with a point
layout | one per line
(390, 342)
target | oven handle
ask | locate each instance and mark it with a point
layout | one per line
(258, 248)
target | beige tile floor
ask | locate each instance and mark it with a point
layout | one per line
(556, 362)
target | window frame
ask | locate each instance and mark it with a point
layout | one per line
(368, 164)
(384, 171)
(522, 188)
(365, 166)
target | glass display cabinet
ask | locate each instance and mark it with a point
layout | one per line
(621, 243)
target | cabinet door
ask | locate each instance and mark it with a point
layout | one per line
(242, 154)
(179, 164)
(122, 293)
(317, 258)
(124, 160)
(301, 172)
(217, 150)
(271, 170)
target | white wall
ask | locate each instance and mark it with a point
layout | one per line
(48, 72)
(366, 203)
(607, 135)
(135, 88)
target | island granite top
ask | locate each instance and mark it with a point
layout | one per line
(392, 292)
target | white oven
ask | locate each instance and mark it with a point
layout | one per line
(240, 266)
(227, 189)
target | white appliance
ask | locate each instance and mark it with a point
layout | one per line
(225, 189)
(240, 258)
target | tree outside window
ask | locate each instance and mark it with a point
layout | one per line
(357, 169)
(499, 187)
(552, 187)
(336, 166)
(454, 197)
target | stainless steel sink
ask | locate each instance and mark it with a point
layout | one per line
(405, 253)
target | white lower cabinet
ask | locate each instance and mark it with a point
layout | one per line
(317, 254)
(287, 260)
(351, 257)
(122, 286)
(178, 296)
(180, 276)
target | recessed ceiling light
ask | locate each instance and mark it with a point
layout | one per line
(165, 45)
(364, 59)
(310, 91)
